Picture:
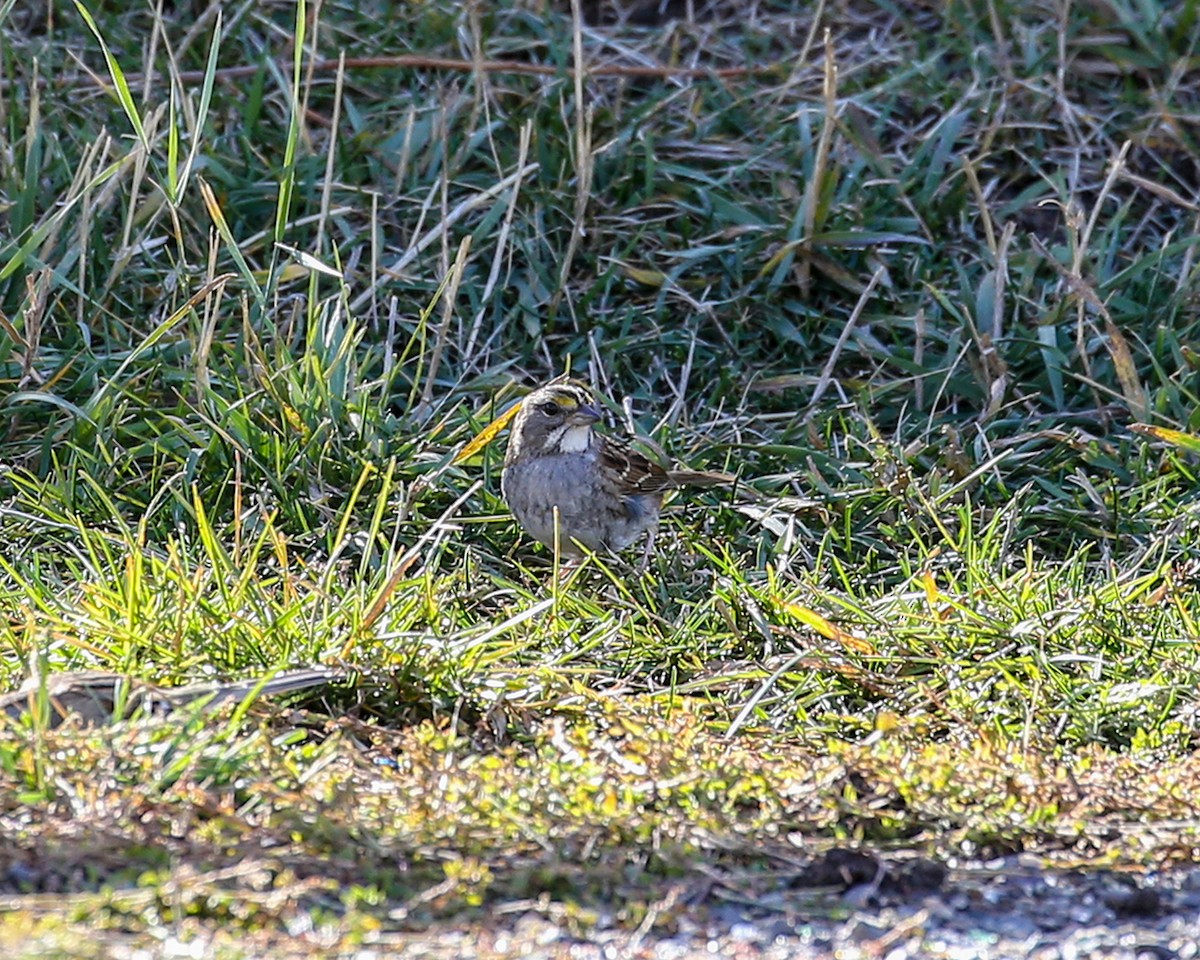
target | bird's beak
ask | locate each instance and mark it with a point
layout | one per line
(584, 416)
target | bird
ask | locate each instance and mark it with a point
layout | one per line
(577, 490)
(97, 697)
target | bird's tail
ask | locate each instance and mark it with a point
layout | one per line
(701, 478)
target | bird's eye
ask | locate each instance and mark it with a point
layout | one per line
(551, 409)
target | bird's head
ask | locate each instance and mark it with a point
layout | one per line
(556, 418)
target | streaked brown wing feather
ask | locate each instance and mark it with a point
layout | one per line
(635, 471)
(639, 474)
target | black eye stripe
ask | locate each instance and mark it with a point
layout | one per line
(559, 402)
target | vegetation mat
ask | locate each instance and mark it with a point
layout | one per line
(923, 276)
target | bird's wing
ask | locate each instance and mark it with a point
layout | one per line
(635, 472)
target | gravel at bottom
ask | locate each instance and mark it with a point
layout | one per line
(1000, 910)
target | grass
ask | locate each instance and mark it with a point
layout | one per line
(913, 274)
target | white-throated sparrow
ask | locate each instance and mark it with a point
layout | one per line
(95, 697)
(571, 487)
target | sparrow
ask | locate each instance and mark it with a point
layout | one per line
(575, 489)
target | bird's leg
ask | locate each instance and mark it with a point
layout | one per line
(567, 569)
(648, 550)
(564, 564)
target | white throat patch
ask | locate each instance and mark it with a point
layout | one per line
(573, 439)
